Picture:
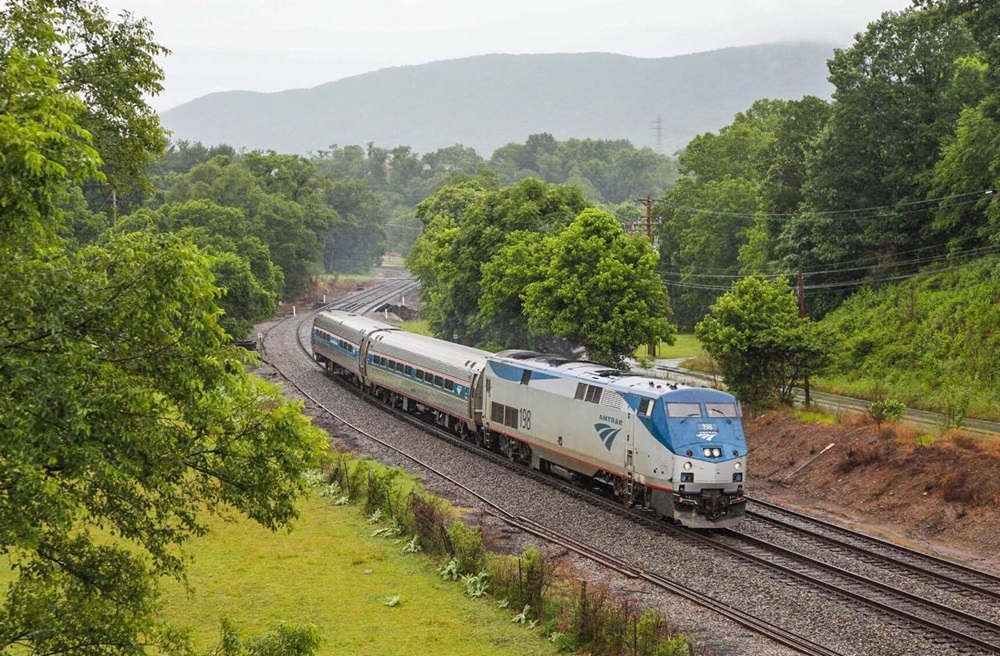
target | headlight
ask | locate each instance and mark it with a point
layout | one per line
(738, 465)
(716, 452)
(688, 465)
(707, 452)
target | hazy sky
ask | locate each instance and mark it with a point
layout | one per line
(272, 45)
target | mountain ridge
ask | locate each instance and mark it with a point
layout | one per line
(486, 101)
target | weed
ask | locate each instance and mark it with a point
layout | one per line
(394, 530)
(476, 585)
(522, 617)
(449, 571)
(413, 546)
(375, 517)
(394, 601)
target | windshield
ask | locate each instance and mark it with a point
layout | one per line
(722, 410)
(683, 410)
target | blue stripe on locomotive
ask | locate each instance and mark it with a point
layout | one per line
(513, 373)
(679, 434)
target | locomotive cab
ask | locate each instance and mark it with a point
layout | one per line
(702, 430)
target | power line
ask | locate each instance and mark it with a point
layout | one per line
(841, 214)
(975, 252)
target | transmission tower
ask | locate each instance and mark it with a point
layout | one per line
(658, 131)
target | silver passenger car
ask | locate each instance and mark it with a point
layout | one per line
(442, 377)
(337, 337)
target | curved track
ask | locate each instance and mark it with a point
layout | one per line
(946, 627)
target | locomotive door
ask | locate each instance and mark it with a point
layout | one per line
(629, 450)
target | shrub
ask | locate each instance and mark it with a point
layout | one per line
(522, 580)
(466, 546)
(886, 411)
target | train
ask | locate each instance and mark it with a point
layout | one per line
(675, 450)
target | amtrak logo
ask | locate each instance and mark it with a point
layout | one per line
(707, 431)
(607, 434)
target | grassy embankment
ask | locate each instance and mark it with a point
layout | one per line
(330, 572)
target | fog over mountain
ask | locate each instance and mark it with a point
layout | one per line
(490, 100)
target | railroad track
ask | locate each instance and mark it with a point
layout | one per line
(757, 624)
(944, 626)
(946, 575)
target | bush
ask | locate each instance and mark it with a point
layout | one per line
(522, 580)
(466, 546)
(886, 411)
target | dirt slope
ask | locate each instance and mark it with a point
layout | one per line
(942, 497)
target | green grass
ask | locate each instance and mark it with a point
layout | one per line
(685, 346)
(419, 327)
(315, 574)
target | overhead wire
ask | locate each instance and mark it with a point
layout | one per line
(849, 214)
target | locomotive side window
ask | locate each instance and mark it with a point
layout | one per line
(594, 394)
(646, 407)
(525, 376)
(683, 410)
(721, 410)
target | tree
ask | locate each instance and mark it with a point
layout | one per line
(761, 345)
(357, 243)
(124, 414)
(109, 65)
(484, 219)
(600, 289)
(897, 97)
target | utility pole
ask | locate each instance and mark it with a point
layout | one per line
(802, 314)
(648, 202)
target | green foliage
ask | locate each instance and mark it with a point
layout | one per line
(449, 571)
(393, 601)
(522, 580)
(600, 290)
(467, 548)
(465, 226)
(476, 585)
(606, 171)
(125, 417)
(886, 411)
(285, 641)
(761, 345)
(107, 67)
(934, 339)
